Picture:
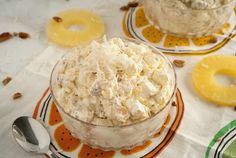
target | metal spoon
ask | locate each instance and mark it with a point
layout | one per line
(31, 135)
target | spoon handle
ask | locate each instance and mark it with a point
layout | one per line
(51, 154)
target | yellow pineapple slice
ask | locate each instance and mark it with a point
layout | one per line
(201, 41)
(152, 34)
(92, 27)
(205, 84)
(140, 18)
(172, 41)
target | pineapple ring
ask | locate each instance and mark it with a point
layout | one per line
(92, 25)
(205, 83)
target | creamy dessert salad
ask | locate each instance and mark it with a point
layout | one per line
(114, 82)
(204, 4)
(188, 17)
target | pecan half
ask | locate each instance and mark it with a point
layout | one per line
(23, 35)
(179, 63)
(5, 36)
(6, 80)
(57, 19)
(124, 8)
(173, 103)
(16, 96)
(133, 4)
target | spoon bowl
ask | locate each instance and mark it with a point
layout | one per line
(31, 135)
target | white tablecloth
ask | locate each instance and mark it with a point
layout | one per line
(29, 63)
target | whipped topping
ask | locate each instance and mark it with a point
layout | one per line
(114, 82)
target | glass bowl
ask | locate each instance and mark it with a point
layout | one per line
(173, 17)
(115, 137)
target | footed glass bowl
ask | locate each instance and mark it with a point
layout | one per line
(115, 137)
(173, 17)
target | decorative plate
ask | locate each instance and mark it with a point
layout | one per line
(136, 25)
(223, 145)
(65, 145)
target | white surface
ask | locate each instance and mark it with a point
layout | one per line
(29, 63)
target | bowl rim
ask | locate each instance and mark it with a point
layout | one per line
(215, 8)
(155, 50)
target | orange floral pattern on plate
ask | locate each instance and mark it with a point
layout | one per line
(152, 34)
(55, 116)
(89, 152)
(201, 41)
(65, 140)
(163, 127)
(136, 149)
(140, 18)
(172, 41)
(224, 29)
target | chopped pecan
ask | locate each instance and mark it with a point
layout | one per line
(173, 103)
(179, 63)
(124, 8)
(23, 35)
(57, 19)
(5, 36)
(17, 96)
(6, 80)
(133, 4)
